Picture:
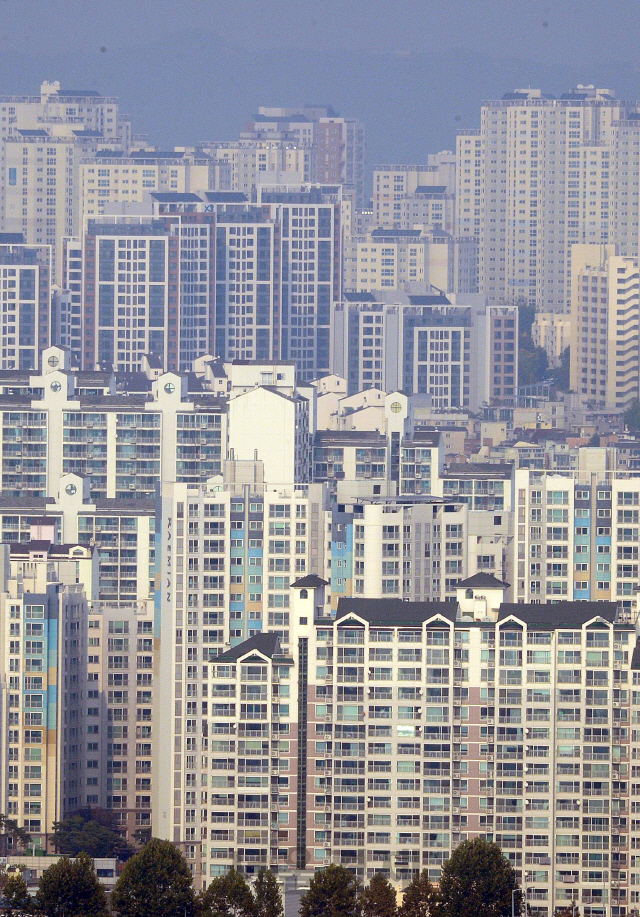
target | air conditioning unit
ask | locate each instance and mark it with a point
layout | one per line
(327, 844)
(489, 757)
(617, 646)
(455, 810)
(328, 754)
(616, 704)
(490, 722)
(328, 718)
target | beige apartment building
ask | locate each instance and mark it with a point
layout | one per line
(541, 175)
(605, 319)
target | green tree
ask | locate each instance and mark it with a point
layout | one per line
(333, 892)
(419, 897)
(228, 895)
(378, 899)
(15, 897)
(12, 837)
(533, 366)
(632, 416)
(266, 895)
(477, 879)
(561, 374)
(70, 888)
(91, 831)
(156, 880)
(571, 910)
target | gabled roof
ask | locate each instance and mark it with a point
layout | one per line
(266, 644)
(311, 581)
(484, 580)
(559, 614)
(394, 612)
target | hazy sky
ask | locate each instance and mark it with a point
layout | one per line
(414, 70)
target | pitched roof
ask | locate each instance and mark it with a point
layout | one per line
(311, 581)
(394, 612)
(486, 580)
(556, 615)
(267, 644)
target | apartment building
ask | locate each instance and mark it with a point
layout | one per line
(605, 317)
(115, 177)
(575, 535)
(72, 650)
(396, 257)
(44, 139)
(459, 350)
(37, 614)
(251, 162)
(148, 288)
(407, 195)
(337, 142)
(230, 553)
(429, 723)
(25, 301)
(541, 175)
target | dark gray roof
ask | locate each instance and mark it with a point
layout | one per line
(479, 469)
(311, 581)
(226, 197)
(423, 438)
(266, 644)
(175, 197)
(431, 190)
(359, 297)
(349, 437)
(556, 615)
(483, 580)
(635, 658)
(395, 612)
(420, 300)
(84, 93)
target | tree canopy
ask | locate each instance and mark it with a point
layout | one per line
(333, 892)
(15, 896)
(477, 879)
(91, 831)
(12, 837)
(632, 416)
(156, 880)
(70, 888)
(266, 895)
(419, 897)
(228, 895)
(378, 899)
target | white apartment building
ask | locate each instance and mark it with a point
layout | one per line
(458, 349)
(406, 195)
(255, 162)
(541, 175)
(43, 141)
(423, 724)
(25, 302)
(229, 556)
(115, 178)
(552, 332)
(393, 258)
(605, 321)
